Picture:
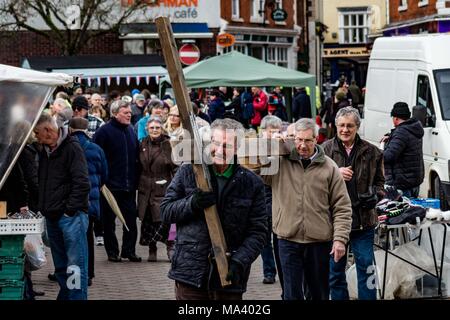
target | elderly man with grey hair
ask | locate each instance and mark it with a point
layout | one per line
(63, 200)
(361, 165)
(61, 111)
(238, 194)
(311, 214)
(119, 142)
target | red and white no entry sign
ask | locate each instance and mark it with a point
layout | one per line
(189, 54)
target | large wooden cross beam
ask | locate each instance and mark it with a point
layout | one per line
(200, 170)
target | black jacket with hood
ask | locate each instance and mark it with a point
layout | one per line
(403, 155)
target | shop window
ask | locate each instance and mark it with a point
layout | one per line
(235, 9)
(278, 56)
(353, 27)
(242, 48)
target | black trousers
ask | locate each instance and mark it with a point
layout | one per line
(90, 241)
(127, 204)
(305, 264)
(98, 227)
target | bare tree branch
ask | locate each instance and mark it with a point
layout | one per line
(96, 18)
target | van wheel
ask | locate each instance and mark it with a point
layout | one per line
(438, 193)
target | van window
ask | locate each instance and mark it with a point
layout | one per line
(425, 99)
(442, 79)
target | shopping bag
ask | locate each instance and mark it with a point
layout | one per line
(34, 251)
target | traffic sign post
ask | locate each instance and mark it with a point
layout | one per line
(189, 54)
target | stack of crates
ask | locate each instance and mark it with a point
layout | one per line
(11, 267)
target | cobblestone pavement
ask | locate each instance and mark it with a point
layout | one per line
(142, 281)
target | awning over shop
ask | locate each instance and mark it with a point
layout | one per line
(180, 30)
(102, 66)
(115, 72)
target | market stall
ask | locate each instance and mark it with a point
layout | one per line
(235, 69)
(23, 96)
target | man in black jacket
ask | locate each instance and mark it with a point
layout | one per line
(301, 105)
(63, 200)
(239, 196)
(403, 155)
(119, 142)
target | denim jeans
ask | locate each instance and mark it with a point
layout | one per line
(305, 264)
(361, 243)
(68, 243)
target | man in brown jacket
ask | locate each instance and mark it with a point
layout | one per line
(312, 214)
(361, 166)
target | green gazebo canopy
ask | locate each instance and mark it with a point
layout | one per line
(235, 69)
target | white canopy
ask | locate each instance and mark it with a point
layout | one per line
(9, 73)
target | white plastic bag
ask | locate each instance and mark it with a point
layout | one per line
(34, 251)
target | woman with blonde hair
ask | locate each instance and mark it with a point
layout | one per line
(173, 125)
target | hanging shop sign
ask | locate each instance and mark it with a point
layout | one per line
(279, 15)
(225, 40)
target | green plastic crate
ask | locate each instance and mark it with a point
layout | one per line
(11, 245)
(11, 268)
(11, 289)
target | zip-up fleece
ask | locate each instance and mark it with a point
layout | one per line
(312, 204)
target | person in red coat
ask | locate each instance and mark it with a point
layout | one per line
(260, 101)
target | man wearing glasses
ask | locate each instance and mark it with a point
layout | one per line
(361, 165)
(311, 214)
(239, 196)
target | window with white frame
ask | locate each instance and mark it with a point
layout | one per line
(403, 5)
(353, 26)
(242, 48)
(278, 56)
(235, 9)
(278, 4)
(423, 3)
(257, 6)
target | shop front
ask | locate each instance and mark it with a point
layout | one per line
(349, 61)
(276, 46)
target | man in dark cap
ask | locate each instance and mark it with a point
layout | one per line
(80, 106)
(403, 155)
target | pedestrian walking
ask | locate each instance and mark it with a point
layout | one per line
(239, 196)
(361, 165)
(98, 175)
(311, 214)
(119, 142)
(157, 172)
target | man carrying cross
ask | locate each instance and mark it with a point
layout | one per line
(239, 196)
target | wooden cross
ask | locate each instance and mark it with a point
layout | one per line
(176, 75)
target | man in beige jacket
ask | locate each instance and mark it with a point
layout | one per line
(312, 214)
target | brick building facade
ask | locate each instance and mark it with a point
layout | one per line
(257, 35)
(413, 17)
(16, 46)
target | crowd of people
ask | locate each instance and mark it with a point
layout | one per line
(301, 219)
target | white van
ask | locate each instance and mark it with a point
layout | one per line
(414, 69)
